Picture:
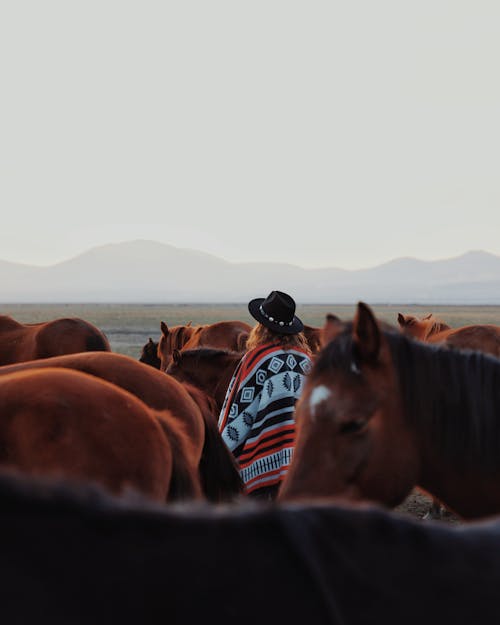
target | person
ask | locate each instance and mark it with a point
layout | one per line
(257, 417)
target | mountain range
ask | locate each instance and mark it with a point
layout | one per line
(150, 272)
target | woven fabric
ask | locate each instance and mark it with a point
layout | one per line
(257, 419)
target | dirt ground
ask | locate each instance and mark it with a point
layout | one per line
(417, 504)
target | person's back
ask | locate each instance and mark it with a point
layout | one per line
(257, 418)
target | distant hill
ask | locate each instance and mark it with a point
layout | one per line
(147, 271)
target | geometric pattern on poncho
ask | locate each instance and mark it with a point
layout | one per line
(257, 418)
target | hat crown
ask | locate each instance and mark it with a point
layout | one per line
(280, 306)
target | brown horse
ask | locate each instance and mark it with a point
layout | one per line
(313, 337)
(207, 369)
(149, 354)
(223, 334)
(420, 329)
(381, 413)
(59, 422)
(483, 338)
(198, 446)
(20, 342)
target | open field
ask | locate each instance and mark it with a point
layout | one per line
(128, 326)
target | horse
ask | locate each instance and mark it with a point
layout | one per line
(149, 354)
(484, 338)
(223, 334)
(421, 329)
(20, 342)
(200, 444)
(206, 368)
(68, 423)
(81, 556)
(381, 413)
(313, 338)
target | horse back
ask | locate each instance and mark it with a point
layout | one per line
(67, 336)
(483, 338)
(60, 422)
(230, 335)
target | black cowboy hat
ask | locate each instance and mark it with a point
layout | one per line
(276, 312)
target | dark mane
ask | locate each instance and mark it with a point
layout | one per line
(208, 352)
(451, 397)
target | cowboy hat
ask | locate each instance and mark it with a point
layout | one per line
(276, 312)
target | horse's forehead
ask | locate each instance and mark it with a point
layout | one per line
(318, 395)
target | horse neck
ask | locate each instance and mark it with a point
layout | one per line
(435, 327)
(451, 400)
(223, 382)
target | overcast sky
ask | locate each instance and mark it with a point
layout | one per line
(319, 133)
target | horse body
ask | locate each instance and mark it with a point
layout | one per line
(484, 338)
(59, 422)
(320, 564)
(230, 335)
(185, 419)
(20, 342)
(381, 413)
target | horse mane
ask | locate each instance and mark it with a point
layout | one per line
(447, 395)
(435, 327)
(208, 352)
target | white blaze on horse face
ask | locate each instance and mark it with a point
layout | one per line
(318, 396)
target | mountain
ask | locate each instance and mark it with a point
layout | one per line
(147, 271)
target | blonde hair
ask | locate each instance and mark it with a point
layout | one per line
(260, 335)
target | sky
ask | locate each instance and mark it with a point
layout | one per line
(319, 133)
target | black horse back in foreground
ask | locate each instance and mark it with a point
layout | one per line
(80, 557)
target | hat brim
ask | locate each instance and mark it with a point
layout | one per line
(254, 309)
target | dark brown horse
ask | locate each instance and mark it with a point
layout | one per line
(20, 342)
(483, 338)
(149, 354)
(80, 557)
(67, 423)
(208, 369)
(381, 413)
(199, 445)
(230, 335)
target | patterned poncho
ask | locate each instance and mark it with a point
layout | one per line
(257, 421)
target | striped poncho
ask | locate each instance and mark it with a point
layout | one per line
(257, 421)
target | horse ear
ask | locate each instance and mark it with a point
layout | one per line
(427, 317)
(151, 342)
(176, 356)
(188, 324)
(331, 328)
(366, 334)
(164, 328)
(401, 320)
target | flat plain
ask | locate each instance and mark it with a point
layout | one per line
(128, 326)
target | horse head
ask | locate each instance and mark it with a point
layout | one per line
(149, 354)
(421, 329)
(171, 339)
(348, 419)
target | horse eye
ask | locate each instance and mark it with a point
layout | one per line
(352, 426)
